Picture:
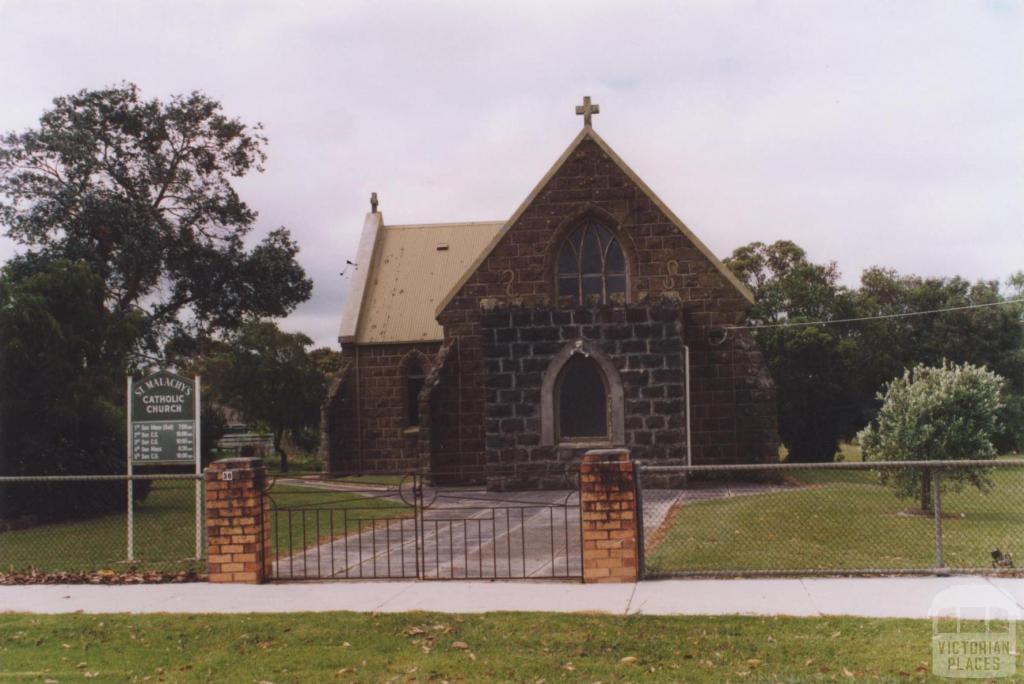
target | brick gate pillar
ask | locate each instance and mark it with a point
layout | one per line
(237, 521)
(608, 516)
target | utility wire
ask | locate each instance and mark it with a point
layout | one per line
(802, 324)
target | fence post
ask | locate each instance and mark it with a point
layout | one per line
(641, 561)
(608, 520)
(936, 474)
(237, 521)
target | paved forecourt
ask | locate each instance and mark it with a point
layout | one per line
(887, 597)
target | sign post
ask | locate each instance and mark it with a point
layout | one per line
(131, 482)
(163, 428)
(199, 471)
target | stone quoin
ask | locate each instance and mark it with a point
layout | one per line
(502, 351)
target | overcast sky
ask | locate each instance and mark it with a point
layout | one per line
(888, 133)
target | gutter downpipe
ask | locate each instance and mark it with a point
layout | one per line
(686, 380)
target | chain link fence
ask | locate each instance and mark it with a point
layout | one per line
(835, 518)
(82, 524)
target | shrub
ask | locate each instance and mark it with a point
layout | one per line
(936, 413)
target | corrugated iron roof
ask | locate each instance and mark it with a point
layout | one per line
(410, 276)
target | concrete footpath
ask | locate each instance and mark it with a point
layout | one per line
(907, 597)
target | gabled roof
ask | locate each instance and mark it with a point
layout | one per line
(588, 133)
(403, 273)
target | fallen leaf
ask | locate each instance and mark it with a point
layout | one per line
(461, 645)
(847, 673)
(628, 660)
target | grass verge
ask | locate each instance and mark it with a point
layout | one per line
(496, 647)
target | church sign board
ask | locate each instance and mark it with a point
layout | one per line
(163, 419)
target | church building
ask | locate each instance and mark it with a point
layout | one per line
(501, 351)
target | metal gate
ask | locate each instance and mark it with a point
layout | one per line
(414, 528)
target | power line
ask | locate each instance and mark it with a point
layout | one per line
(802, 324)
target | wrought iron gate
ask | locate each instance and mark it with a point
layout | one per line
(414, 528)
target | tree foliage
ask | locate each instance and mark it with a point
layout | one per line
(991, 336)
(270, 377)
(930, 413)
(141, 191)
(810, 365)
(60, 353)
(829, 375)
(133, 243)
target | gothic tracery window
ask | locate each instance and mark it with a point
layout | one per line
(591, 266)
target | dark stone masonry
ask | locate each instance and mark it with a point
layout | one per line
(643, 342)
(507, 331)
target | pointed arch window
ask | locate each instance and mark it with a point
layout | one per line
(414, 380)
(582, 401)
(591, 266)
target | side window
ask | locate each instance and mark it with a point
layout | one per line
(591, 267)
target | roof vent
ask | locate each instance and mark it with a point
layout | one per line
(442, 247)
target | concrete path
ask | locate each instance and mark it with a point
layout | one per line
(463, 533)
(658, 503)
(907, 597)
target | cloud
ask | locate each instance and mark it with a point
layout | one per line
(870, 133)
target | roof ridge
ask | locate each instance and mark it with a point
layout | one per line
(447, 224)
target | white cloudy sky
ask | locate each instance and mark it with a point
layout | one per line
(870, 133)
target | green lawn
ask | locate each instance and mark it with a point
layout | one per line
(299, 463)
(496, 647)
(839, 520)
(165, 530)
(164, 537)
(303, 516)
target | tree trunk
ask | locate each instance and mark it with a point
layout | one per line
(278, 435)
(926, 491)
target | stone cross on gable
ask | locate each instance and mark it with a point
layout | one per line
(586, 109)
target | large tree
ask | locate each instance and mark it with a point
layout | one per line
(271, 377)
(810, 364)
(58, 389)
(141, 191)
(131, 236)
